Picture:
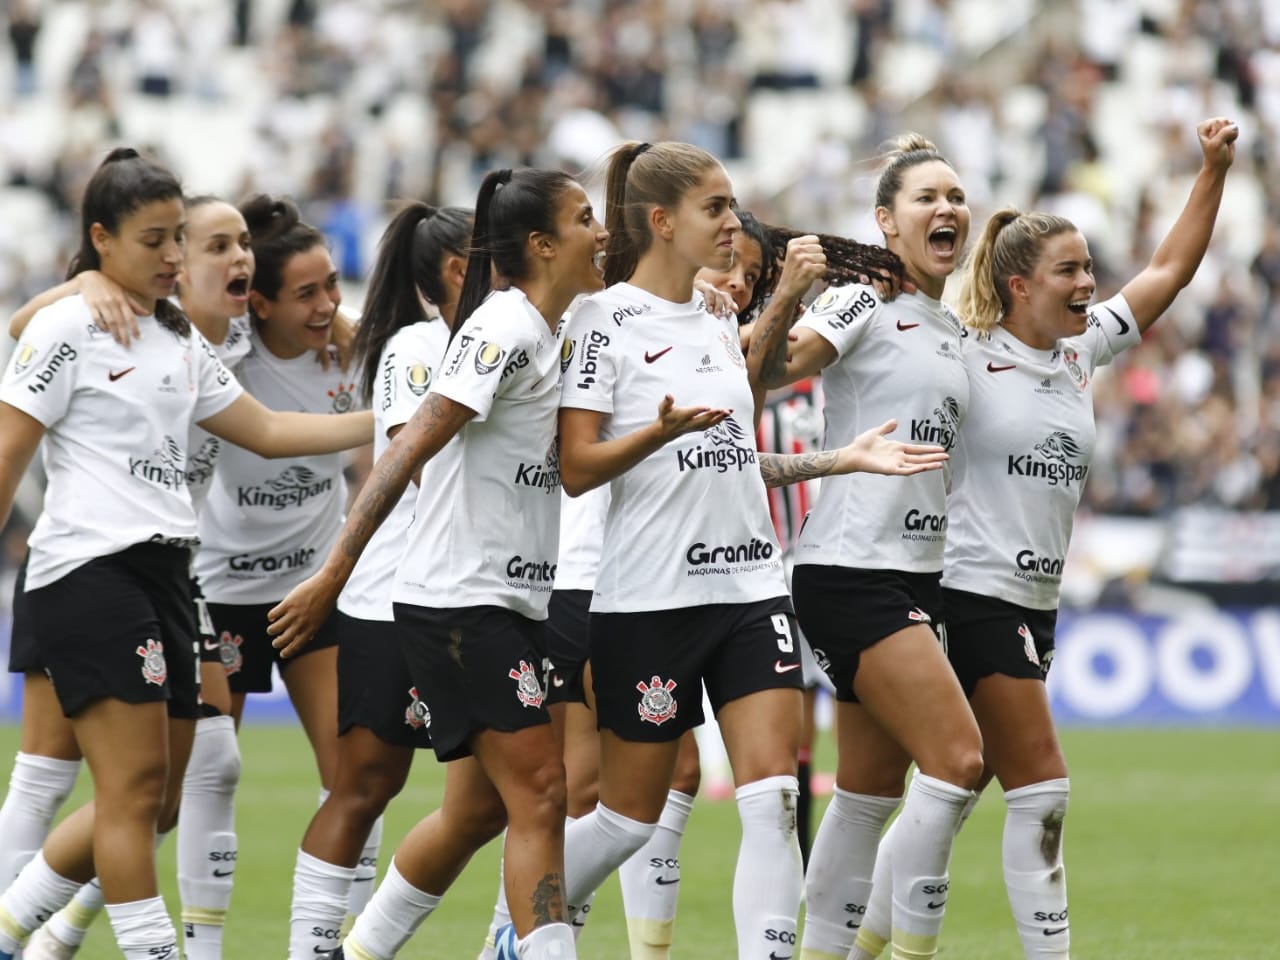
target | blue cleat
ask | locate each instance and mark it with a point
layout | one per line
(504, 944)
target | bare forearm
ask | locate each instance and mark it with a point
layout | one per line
(1182, 249)
(290, 434)
(18, 322)
(767, 356)
(784, 469)
(591, 465)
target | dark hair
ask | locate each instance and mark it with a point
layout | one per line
(643, 176)
(1010, 246)
(848, 261)
(907, 151)
(410, 257)
(277, 233)
(759, 234)
(510, 206)
(125, 182)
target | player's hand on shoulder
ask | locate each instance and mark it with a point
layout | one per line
(112, 309)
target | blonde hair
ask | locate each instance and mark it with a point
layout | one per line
(1010, 246)
(643, 176)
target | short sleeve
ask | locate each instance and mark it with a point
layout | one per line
(405, 375)
(841, 315)
(473, 368)
(1112, 330)
(217, 388)
(592, 343)
(42, 374)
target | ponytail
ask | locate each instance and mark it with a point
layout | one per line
(477, 283)
(1009, 247)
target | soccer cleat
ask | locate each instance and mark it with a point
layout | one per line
(504, 943)
(45, 946)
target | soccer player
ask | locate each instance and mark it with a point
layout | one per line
(126, 676)
(381, 718)
(1022, 459)
(472, 587)
(869, 561)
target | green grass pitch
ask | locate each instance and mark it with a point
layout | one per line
(1172, 846)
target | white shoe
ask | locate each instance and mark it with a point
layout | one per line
(45, 946)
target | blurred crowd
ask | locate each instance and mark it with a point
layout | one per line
(1084, 107)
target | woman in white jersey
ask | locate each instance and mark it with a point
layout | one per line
(690, 589)
(114, 538)
(381, 718)
(473, 585)
(1022, 460)
(868, 564)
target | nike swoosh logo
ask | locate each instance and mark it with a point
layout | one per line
(557, 681)
(223, 873)
(780, 667)
(907, 326)
(664, 882)
(1124, 327)
(322, 951)
(992, 368)
(650, 357)
(113, 376)
(936, 906)
(1050, 933)
(774, 956)
(215, 645)
(853, 926)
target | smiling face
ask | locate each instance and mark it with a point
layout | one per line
(702, 225)
(739, 281)
(145, 253)
(300, 317)
(1053, 302)
(219, 266)
(579, 242)
(928, 224)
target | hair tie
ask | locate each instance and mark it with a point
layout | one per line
(639, 150)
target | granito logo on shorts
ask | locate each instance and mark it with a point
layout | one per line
(727, 447)
(63, 354)
(163, 468)
(535, 575)
(528, 689)
(705, 560)
(154, 669)
(246, 565)
(1037, 569)
(928, 527)
(294, 487)
(657, 705)
(416, 715)
(1054, 461)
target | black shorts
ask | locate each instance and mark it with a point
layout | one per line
(648, 668)
(121, 626)
(986, 635)
(375, 690)
(845, 610)
(476, 668)
(568, 616)
(24, 648)
(210, 645)
(245, 649)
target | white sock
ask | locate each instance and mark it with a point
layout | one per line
(71, 923)
(769, 879)
(38, 786)
(553, 941)
(207, 847)
(595, 846)
(501, 912)
(366, 871)
(838, 882)
(395, 911)
(320, 892)
(922, 851)
(1033, 870)
(143, 930)
(37, 894)
(651, 882)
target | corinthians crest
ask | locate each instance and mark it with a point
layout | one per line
(154, 668)
(528, 689)
(657, 705)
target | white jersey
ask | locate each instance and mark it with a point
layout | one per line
(1024, 456)
(898, 360)
(268, 524)
(688, 525)
(488, 510)
(117, 420)
(581, 538)
(410, 363)
(203, 445)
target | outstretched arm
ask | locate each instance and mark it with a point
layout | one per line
(870, 452)
(282, 433)
(1178, 257)
(295, 620)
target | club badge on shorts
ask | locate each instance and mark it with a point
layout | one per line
(154, 668)
(229, 652)
(1028, 644)
(528, 689)
(416, 715)
(657, 705)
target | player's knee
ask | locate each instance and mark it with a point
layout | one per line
(214, 767)
(365, 797)
(964, 768)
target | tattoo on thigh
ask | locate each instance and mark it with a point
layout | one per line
(548, 901)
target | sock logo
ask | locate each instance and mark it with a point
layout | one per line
(858, 910)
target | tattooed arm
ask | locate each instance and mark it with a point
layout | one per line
(767, 356)
(870, 452)
(294, 621)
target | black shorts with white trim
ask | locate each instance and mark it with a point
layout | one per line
(476, 668)
(846, 610)
(375, 690)
(24, 648)
(987, 635)
(649, 668)
(568, 620)
(245, 649)
(122, 627)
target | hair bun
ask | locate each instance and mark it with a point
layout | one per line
(909, 142)
(268, 216)
(121, 153)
